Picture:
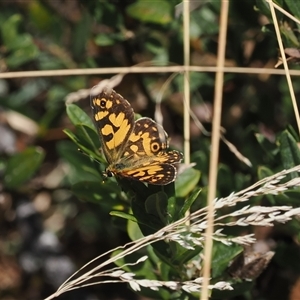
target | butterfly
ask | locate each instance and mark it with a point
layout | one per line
(135, 150)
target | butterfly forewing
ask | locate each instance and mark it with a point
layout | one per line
(114, 118)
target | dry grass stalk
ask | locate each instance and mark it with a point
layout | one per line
(193, 236)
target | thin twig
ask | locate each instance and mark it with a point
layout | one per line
(145, 69)
(186, 113)
(285, 65)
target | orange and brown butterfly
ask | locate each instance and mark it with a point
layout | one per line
(136, 150)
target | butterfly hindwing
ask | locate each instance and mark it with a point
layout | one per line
(147, 138)
(156, 169)
(154, 173)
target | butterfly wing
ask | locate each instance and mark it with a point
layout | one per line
(157, 174)
(114, 118)
(147, 139)
(135, 150)
(157, 169)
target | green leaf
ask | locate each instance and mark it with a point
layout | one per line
(88, 137)
(9, 31)
(186, 182)
(270, 148)
(134, 230)
(173, 206)
(263, 7)
(21, 47)
(22, 166)
(225, 179)
(83, 167)
(293, 132)
(96, 192)
(21, 43)
(294, 7)
(103, 39)
(78, 116)
(81, 34)
(84, 138)
(129, 217)
(289, 152)
(42, 18)
(177, 207)
(292, 39)
(21, 56)
(156, 205)
(222, 256)
(201, 158)
(264, 172)
(123, 215)
(158, 12)
(32, 88)
(189, 202)
(288, 198)
(183, 255)
(56, 96)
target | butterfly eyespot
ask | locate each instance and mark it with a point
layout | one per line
(103, 103)
(154, 147)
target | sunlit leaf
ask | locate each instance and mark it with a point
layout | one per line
(78, 116)
(151, 11)
(186, 182)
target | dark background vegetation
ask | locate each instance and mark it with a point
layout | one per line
(46, 231)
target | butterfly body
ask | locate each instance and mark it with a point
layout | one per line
(133, 149)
